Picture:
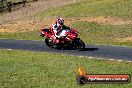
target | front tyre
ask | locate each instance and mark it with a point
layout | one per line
(82, 45)
(79, 44)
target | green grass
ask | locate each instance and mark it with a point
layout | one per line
(103, 34)
(90, 32)
(40, 69)
(44, 70)
(30, 35)
(113, 8)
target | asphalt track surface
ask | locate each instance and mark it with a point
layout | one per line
(100, 51)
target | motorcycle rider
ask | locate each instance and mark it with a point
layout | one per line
(56, 27)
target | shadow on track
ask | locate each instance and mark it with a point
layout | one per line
(86, 49)
(89, 49)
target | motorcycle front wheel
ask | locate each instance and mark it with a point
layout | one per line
(79, 44)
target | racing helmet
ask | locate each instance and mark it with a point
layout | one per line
(60, 21)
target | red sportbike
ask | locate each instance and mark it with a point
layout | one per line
(68, 40)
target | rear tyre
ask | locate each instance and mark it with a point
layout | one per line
(59, 46)
(48, 42)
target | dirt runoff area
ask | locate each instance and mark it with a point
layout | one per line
(101, 19)
(12, 23)
(19, 26)
(126, 39)
(30, 25)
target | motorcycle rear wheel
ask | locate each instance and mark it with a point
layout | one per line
(48, 42)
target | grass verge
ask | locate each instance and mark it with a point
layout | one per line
(30, 35)
(90, 32)
(96, 33)
(88, 8)
(44, 70)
